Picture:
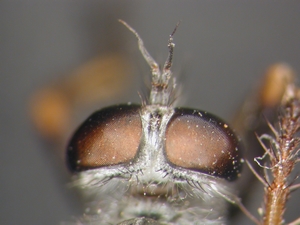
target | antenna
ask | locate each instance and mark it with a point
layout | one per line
(160, 92)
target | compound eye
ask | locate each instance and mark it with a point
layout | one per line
(108, 137)
(199, 141)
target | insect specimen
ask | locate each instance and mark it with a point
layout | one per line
(155, 163)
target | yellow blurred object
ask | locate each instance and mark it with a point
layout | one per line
(100, 78)
(52, 108)
(50, 111)
(276, 79)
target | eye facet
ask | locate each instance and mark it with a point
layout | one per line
(110, 136)
(199, 141)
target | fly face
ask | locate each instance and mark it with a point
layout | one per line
(155, 163)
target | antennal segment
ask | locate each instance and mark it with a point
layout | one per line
(160, 93)
(171, 46)
(145, 53)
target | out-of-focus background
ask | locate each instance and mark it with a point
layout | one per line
(222, 50)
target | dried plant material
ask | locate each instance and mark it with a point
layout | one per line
(281, 148)
(282, 152)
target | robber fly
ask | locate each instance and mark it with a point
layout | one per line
(155, 163)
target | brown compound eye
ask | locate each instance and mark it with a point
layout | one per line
(201, 142)
(110, 136)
